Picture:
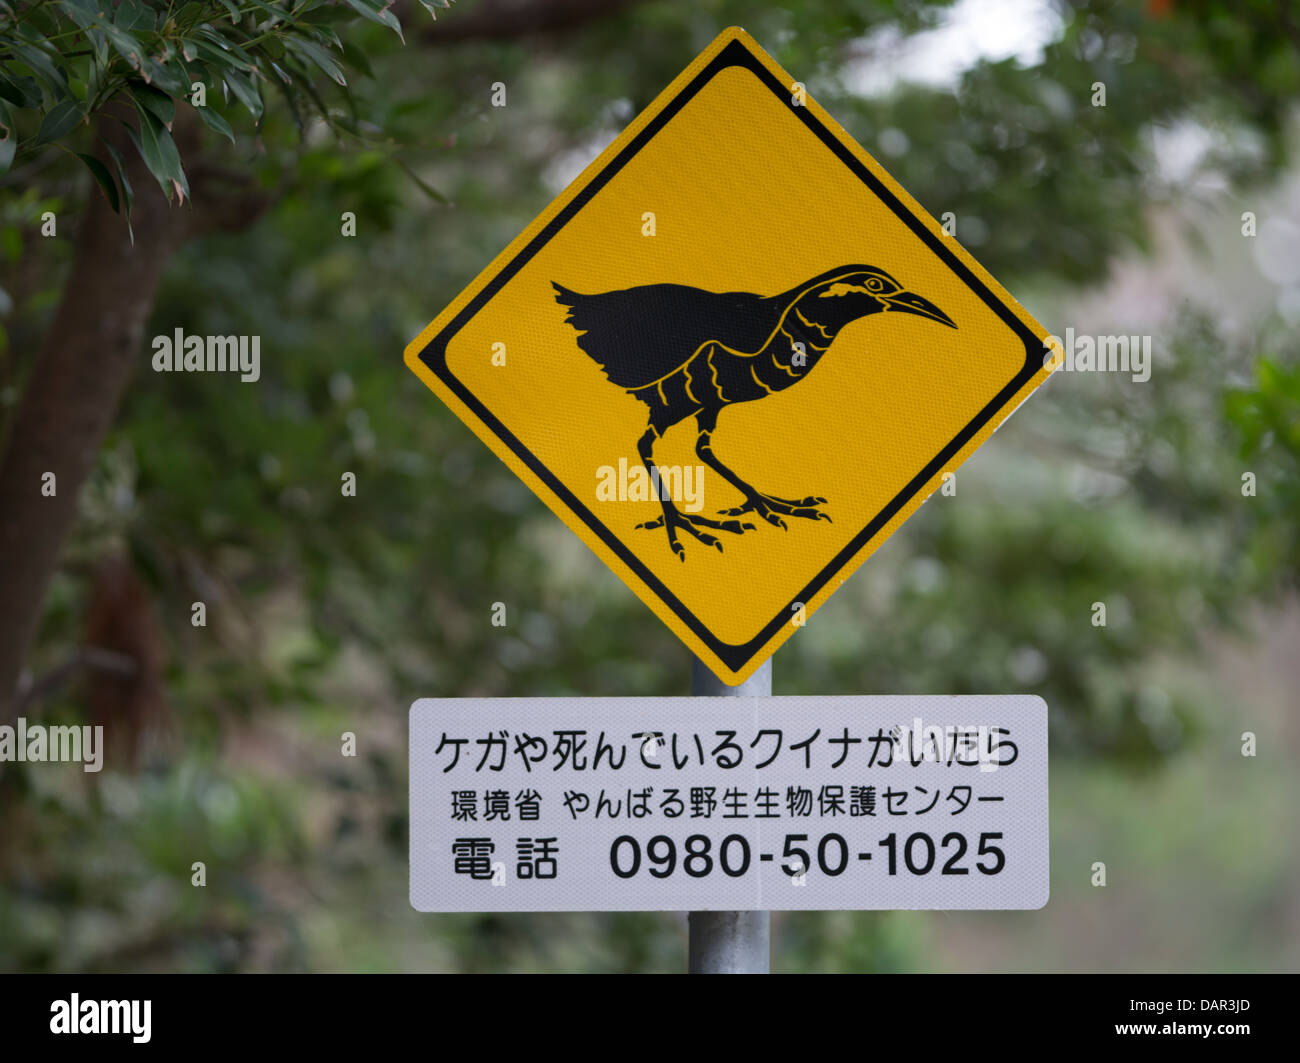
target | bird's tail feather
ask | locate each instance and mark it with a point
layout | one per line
(564, 296)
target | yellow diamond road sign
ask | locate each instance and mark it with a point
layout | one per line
(733, 356)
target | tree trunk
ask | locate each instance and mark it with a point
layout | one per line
(69, 403)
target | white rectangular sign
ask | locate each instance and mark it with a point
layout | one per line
(701, 803)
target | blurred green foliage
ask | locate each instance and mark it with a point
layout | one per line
(331, 613)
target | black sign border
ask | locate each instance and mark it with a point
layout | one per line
(434, 354)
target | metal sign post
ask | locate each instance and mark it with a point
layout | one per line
(730, 942)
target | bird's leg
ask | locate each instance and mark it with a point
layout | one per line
(769, 507)
(673, 518)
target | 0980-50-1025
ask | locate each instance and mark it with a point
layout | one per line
(917, 854)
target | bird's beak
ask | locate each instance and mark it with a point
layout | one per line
(910, 303)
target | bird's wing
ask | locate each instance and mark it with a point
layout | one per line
(640, 335)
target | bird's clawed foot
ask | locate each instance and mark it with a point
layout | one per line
(674, 519)
(772, 509)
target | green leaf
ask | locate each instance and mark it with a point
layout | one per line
(42, 66)
(216, 123)
(128, 196)
(105, 180)
(172, 81)
(322, 15)
(280, 13)
(99, 42)
(304, 82)
(126, 46)
(131, 15)
(316, 54)
(159, 152)
(285, 87)
(82, 12)
(245, 91)
(220, 58)
(226, 45)
(356, 58)
(325, 35)
(301, 77)
(159, 103)
(147, 145)
(61, 120)
(20, 91)
(172, 158)
(377, 14)
(233, 9)
(8, 139)
(41, 19)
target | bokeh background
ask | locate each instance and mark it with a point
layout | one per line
(328, 613)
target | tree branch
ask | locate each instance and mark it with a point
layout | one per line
(88, 657)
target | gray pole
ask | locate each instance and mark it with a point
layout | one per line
(730, 942)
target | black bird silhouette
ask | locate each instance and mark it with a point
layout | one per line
(688, 353)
